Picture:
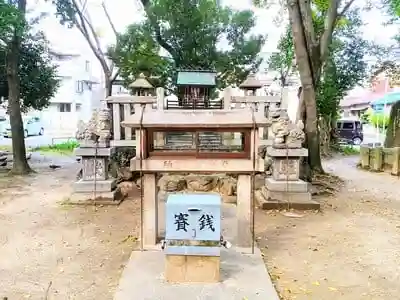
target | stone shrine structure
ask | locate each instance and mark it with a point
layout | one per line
(189, 138)
(94, 139)
(285, 187)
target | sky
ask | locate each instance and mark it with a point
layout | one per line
(125, 12)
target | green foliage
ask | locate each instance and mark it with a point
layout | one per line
(393, 7)
(67, 12)
(190, 31)
(62, 148)
(366, 116)
(349, 150)
(282, 60)
(11, 20)
(136, 51)
(379, 120)
(38, 75)
(345, 67)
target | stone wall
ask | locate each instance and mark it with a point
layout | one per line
(225, 184)
(379, 159)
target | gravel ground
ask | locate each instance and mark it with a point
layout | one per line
(64, 252)
(349, 251)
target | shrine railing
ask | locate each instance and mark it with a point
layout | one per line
(194, 103)
(121, 107)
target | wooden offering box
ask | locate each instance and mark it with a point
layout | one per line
(193, 232)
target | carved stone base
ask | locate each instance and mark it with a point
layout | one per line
(287, 145)
(298, 186)
(89, 151)
(83, 186)
(289, 152)
(286, 169)
(92, 144)
(102, 198)
(285, 200)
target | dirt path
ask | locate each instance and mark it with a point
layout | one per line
(350, 251)
(75, 252)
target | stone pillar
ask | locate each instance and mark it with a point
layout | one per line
(377, 159)
(150, 211)
(160, 98)
(396, 161)
(364, 154)
(243, 211)
(285, 98)
(227, 98)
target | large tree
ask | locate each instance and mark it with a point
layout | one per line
(27, 79)
(75, 13)
(312, 46)
(193, 31)
(12, 56)
(344, 68)
(37, 73)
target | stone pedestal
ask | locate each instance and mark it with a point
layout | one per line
(95, 184)
(244, 236)
(150, 211)
(191, 269)
(284, 189)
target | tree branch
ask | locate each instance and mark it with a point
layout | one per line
(114, 76)
(330, 22)
(345, 8)
(309, 33)
(154, 23)
(87, 21)
(109, 19)
(82, 25)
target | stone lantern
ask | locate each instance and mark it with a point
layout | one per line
(141, 87)
(250, 85)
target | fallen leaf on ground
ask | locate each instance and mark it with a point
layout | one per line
(332, 288)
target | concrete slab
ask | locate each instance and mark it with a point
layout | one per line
(243, 276)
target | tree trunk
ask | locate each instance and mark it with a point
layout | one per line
(393, 131)
(20, 163)
(308, 87)
(108, 86)
(312, 132)
(325, 133)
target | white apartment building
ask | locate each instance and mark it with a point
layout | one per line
(76, 97)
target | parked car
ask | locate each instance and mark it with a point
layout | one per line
(32, 126)
(350, 131)
(3, 124)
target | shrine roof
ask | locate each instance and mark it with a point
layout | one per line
(141, 82)
(242, 118)
(199, 78)
(251, 82)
